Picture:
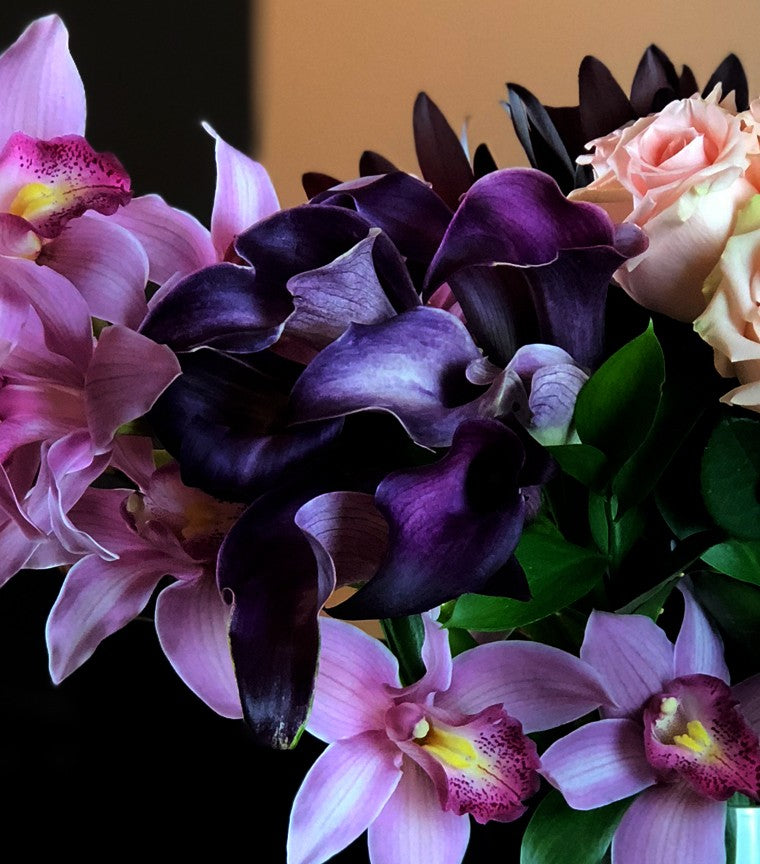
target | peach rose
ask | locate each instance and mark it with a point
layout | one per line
(731, 321)
(679, 175)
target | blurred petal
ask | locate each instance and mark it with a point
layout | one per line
(350, 694)
(540, 685)
(632, 655)
(699, 649)
(43, 94)
(671, 823)
(192, 622)
(107, 265)
(748, 694)
(599, 763)
(244, 194)
(343, 793)
(413, 827)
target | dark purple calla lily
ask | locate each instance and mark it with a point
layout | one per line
(519, 217)
(453, 524)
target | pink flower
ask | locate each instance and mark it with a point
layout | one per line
(731, 321)
(679, 175)
(678, 734)
(409, 763)
(164, 528)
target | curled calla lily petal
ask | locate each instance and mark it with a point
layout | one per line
(413, 366)
(519, 217)
(223, 420)
(453, 524)
(219, 307)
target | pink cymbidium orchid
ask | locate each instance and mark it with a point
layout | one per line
(679, 735)
(165, 528)
(55, 190)
(67, 395)
(410, 763)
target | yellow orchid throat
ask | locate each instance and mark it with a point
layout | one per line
(35, 199)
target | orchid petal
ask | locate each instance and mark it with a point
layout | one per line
(97, 599)
(350, 693)
(599, 763)
(222, 307)
(540, 685)
(48, 183)
(17, 238)
(107, 265)
(133, 456)
(698, 649)
(17, 550)
(43, 94)
(412, 366)
(413, 827)
(671, 823)
(175, 242)
(244, 194)
(127, 374)
(451, 525)
(632, 655)
(343, 793)
(192, 621)
(436, 658)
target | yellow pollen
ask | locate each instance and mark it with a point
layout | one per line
(669, 705)
(421, 728)
(34, 199)
(697, 740)
(452, 749)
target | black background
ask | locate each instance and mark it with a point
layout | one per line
(121, 759)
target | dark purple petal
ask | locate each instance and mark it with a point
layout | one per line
(442, 160)
(349, 290)
(221, 307)
(687, 83)
(314, 183)
(412, 365)
(483, 162)
(538, 136)
(452, 524)
(371, 164)
(404, 208)
(730, 74)
(654, 74)
(604, 106)
(267, 571)
(223, 421)
(302, 238)
(569, 251)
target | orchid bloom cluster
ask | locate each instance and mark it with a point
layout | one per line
(472, 397)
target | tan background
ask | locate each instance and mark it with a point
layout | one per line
(335, 77)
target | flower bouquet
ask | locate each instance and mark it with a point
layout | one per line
(508, 419)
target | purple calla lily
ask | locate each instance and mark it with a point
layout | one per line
(677, 734)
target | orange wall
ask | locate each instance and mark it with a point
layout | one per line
(335, 77)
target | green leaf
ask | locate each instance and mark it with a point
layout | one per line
(405, 637)
(650, 603)
(737, 558)
(581, 461)
(618, 404)
(558, 573)
(730, 476)
(735, 606)
(557, 834)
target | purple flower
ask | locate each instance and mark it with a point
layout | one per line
(410, 763)
(677, 731)
(164, 528)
